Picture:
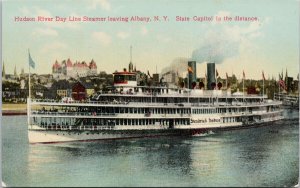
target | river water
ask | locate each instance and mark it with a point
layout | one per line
(263, 156)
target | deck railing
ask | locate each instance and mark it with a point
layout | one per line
(154, 104)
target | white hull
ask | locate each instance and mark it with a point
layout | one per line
(56, 136)
(37, 136)
(47, 136)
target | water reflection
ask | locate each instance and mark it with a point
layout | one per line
(238, 157)
(264, 156)
(261, 152)
(163, 152)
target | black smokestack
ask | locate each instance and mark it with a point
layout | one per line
(211, 79)
(192, 73)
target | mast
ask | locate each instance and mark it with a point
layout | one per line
(263, 87)
(279, 87)
(29, 95)
(188, 84)
(30, 64)
(29, 80)
(130, 53)
(243, 82)
(226, 81)
(263, 77)
(243, 85)
(216, 74)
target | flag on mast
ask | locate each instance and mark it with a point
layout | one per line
(31, 62)
(244, 75)
(217, 73)
(282, 84)
(279, 77)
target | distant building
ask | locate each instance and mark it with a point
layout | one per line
(296, 86)
(22, 74)
(45, 78)
(61, 88)
(130, 67)
(169, 77)
(9, 77)
(67, 69)
(155, 79)
(78, 92)
(82, 90)
(15, 72)
(289, 84)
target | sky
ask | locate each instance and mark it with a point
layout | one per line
(270, 44)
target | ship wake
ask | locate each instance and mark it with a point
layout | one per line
(204, 134)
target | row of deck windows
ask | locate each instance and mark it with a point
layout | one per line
(204, 111)
(150, 121)
(111, 110)
(135, 122)
(155, 98)
(147, 110)
(61, 121)
(218, 110)
(229, 119)
(124, 110)
(152, 110)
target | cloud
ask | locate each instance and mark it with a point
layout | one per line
(268, 19)
(218, 45)
(122, 35)
(45, 32)
(222, 43)
(227, 42)
(144, 31)
(54, 46)
(223, 13)
(104, 4)
(24, 11)
(162, 38)
(41, 12)
(220, 14)
(255, 35)
(103, 37)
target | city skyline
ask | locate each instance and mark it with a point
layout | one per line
(270, 45)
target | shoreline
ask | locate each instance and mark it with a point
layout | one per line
(14, 109)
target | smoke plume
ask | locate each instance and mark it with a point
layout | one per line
(178, 65)
(215, 52)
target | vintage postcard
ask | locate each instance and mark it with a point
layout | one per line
(138, 93)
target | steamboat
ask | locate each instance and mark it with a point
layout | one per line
(130, 111)
(290, 100)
